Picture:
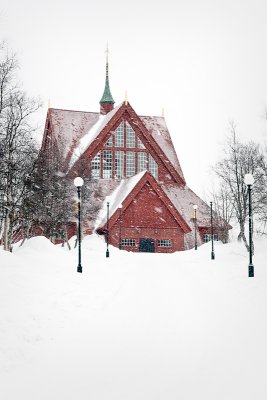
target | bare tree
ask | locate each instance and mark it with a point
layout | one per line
(17, 148)
(223, 211)
(240, 159)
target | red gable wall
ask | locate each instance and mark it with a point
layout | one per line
(147, 217)
(148, 210)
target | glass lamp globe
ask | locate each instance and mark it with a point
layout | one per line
(249, 180)
(78, 182)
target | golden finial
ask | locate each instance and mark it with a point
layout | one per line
(49, 103)
(126, 97)
(162, 112)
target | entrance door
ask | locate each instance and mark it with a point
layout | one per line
(147, 245)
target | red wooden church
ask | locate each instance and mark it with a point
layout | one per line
(133, 159)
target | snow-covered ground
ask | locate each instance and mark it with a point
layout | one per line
(134, 326)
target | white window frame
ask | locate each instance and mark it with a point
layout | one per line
(128, 242)
(164, 243)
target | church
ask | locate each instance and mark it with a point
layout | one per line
(146, 203)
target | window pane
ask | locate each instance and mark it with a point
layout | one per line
(142, 161)
(95, 166)
(107, 164)
(128, 242)
(119, 136)
(109, 142)
(164, 243)
(153, 167)
(130, 163)
(140, 144)
(130, 136)
(119, 164)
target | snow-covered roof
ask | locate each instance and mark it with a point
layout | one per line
(117, 197)
(75, 131)
(86, 140)
(183, 199)
(70, 126)
(158, 129)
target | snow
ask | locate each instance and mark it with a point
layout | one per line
(133, 326)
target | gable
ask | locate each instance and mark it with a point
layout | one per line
(147, 190)
(116, 150)
(148, 210)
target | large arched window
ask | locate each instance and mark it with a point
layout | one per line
(123, 155)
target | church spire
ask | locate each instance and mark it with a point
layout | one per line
(106, 102)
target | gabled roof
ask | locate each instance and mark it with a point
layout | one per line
(153, 129)
(158, 129)
(91, 137)
(126, 192)
(68, 127)
(183, 198)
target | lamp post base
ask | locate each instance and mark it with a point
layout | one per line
(251, 271)
(212, 255)
(79, 268)
(107, 253)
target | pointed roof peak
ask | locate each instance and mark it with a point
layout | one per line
(107, 96)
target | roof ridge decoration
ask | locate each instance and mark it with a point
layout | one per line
(107, 100)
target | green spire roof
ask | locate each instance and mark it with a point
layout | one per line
(107, 97)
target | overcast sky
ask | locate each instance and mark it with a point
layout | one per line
(204, 62)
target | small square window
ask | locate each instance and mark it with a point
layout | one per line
(128, 242)
(164, 243)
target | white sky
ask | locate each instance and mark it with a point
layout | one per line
(204, 61)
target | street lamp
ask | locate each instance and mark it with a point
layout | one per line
(120, 208)
(249, 180)
(195, 223)
(211, 225)
(107, 251)
(78, 182)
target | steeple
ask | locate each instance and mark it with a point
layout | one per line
(106, 102)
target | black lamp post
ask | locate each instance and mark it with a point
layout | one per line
(211, 225)
(120, 208)
(249, 180)
(107, 251)
(195, 223)
(78, 182)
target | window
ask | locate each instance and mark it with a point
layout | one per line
(119, 164)
(95, 166)
(164, 243)
(130, 163)
(128, 242)
(153, 167)
(142, 161)
(123, 156)
(107, 164)
(109, 142)
(130, 136)
(207, 237)
(140, 144)
(119, 136)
